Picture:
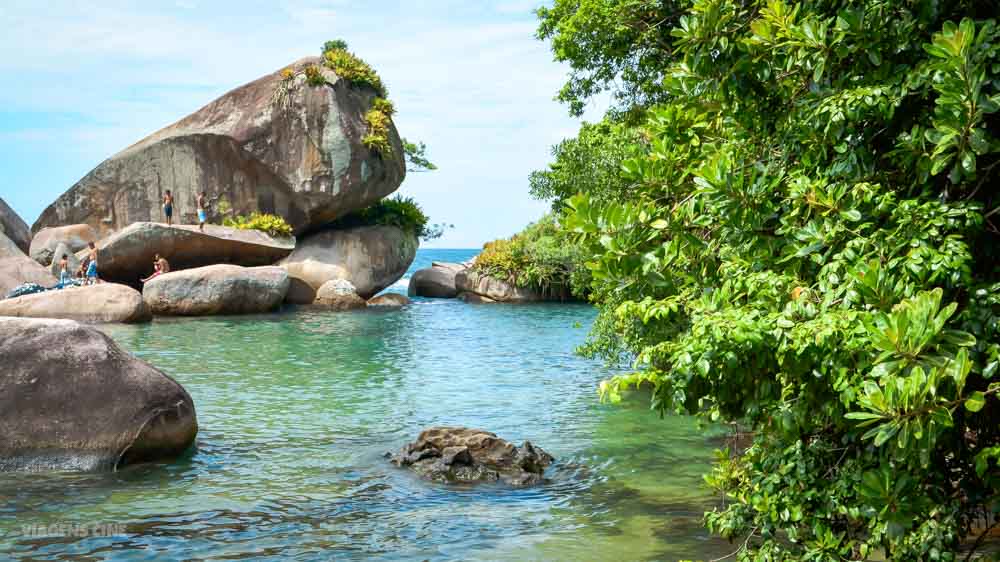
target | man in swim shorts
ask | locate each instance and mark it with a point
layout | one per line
(168, 207)
(92, 266)
(202, 213)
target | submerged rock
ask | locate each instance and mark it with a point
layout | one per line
(389, 300)
(339, 294)
(16, 269)
(370, 257)
(459, 454)
(276, 145)
(75, 237)
(216, 289)
(128, 255)
(437, 281)
(14, 228)
(71, 399)
(473, 298)
(105, 302)
(472, 281)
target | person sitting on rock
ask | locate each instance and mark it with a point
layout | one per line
(168, 207)
(160, 266)
(92, 278)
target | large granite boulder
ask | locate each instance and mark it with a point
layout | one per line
(216, 289)
(459, 454)
(339, 294)
(128, 255)
(370, 257)
(14, 228)
(276, 145)
(16, 268)
(389, 300)
(472, 281)
(437, 281)
(71, 399)
(105, 302)
(75, 237)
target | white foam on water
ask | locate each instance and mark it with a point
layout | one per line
(403, 283)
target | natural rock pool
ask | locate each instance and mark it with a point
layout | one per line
(297, 409)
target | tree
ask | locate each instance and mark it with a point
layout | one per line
(416, 157)
(807, 249)
(334, 45)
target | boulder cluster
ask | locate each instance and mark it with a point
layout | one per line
(462, 281)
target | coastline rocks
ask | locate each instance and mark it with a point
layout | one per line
(437, 281)
(105, 302)
(17, 270)
(71, 399)
(216, 289)
(471, 281)
(459, 454)
(299, 292)
(13, 227)
(473, 298)
(128, 254)
(76, 237)
(339, 294)
(389, 300)
(370, 257)
(275, 145)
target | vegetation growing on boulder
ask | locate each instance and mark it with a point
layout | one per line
(356, 71)
(377, 137)
(542, 257)
(802, 242)
(314, 76)
(401, 212)
(271, 225)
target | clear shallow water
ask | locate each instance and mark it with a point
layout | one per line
(297, 409)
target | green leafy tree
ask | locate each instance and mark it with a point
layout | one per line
(806, 247)
(416, 157)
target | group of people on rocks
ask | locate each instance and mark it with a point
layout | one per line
(86, 274)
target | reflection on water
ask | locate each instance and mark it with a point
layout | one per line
(297, 409)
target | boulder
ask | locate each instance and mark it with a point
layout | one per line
(276, 145)
(8, 249)
(472, 281)
(75, 237)
(299, 292)
(370, 257)
(437, 281)
(16, 270)
(389, 300)
(339, 294)
(71, 399)
(473, 298)
(216, 289)
(127, 256)
(459, 454)
(72, 261)
(14, 228)
(104, 302)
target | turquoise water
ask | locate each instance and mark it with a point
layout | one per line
(297, 409)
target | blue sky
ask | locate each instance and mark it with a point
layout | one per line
(82, 80)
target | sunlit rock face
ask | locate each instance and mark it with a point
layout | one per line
(275, 145)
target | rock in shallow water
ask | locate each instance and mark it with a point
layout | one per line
(106, 302)
(71, 399)
(460, 454)
(389, 300)
(339, 294)
(437, 281)
(217, 289)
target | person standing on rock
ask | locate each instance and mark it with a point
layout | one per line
(168, 207)
(64, 276)
(92, 278)
(202, 213)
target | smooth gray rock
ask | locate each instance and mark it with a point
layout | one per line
(370, 257)
(104, 302)
(275, 145)
(16, 269)
(460, 454)
(389, 300)
(437, 281)
(71, 399)
(75, 237)
(339, 294)
(216, 290)
(14, 228)
(472, 281)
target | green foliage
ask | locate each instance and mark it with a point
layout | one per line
(356, 71)
(398, 211)
(801, 242)
(377, 137)
(334, 45)
(416, 157)
(314, 77)
(271, 225)
(383, 106)
(541, 257)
